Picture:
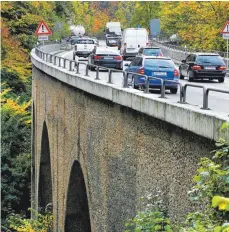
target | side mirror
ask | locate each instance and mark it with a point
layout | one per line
(126, 64)
(183, 61)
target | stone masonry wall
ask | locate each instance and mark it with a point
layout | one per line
(123, 154)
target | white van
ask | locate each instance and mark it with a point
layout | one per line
(132, 40)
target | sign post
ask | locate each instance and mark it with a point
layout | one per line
(43, 31)
(225, 33)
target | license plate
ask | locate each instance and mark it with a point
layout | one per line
(209, 68)
(112, 41)
(108, 58)
(160, 73)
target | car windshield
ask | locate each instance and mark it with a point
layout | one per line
(151, 51)
(159, 63)
(107, 52)
(214, 60)
(85, 41)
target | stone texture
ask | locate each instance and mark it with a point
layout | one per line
(123, 154)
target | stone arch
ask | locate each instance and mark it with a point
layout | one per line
(45, 177)
(77, 218)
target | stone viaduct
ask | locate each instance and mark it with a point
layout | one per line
(98, 148)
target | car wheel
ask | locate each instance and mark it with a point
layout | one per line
(174, 91)
(190, 79)
(74, 57)
(133, 83)
(221, 79)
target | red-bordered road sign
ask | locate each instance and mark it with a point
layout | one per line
(225, 29)
(43, 29)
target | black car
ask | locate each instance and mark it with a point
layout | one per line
(203, 66)
(150, 51)
(105, 57)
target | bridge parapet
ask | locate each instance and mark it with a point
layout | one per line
(205, 123)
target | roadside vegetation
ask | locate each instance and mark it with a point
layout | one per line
(19, 20)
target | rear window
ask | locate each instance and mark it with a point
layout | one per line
(215, 60)
(151, 51)
(159, 63)
(85, 41)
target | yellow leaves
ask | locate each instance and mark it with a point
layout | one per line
(13, 109)
(221, 202)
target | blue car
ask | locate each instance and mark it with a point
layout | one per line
(154, 66)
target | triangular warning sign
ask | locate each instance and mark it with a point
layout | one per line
(225, 29)
(43, 29)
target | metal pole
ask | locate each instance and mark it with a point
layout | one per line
(86, 72)
(97, 73)
(125, 78)
(162, 89)
(109, 76)
(77, 68)
(147, 84)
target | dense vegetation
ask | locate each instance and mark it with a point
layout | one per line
(19, 20)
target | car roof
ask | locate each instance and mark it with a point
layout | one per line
(156, 57)
(85, 38)
(107, 49)
(205, 54)
(151, 47)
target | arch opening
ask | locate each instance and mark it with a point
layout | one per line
(77, 217)
(45, 181)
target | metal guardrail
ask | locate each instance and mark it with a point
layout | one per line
(56, 60)
(206, 93)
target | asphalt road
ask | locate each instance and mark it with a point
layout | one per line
(218, 102)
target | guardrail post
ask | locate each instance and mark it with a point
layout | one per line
(55, 60)
(181, 93)
(97, 73)
(50, 58)
(109, 76)
(147, 84)
(70, 65)
(59, 61)
(162, 89)
(184, 93)
(125, 78)
(205, 99)
(64, 63)
(77, 65)
(87, 70)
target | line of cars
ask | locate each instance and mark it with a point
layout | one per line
(148, 60)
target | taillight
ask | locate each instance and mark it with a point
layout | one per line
(176, 73)
(196, 67)
(125, 44)
(118, 58)
(147, 44)
(222, 68)
(141, 71)
(160, 54)
(97, 57)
